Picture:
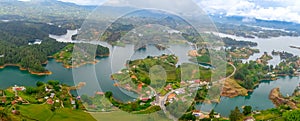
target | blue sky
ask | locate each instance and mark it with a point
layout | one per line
(283, 10)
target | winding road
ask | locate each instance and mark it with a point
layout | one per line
(163, 99)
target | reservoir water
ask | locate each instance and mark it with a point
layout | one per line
(258, 99)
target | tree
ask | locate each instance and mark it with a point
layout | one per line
(86, 99)
(292, 115)
(235, 114)
(31, 90)
(188, 116)
(239, 75)
(108, 94)
(248, 84)
(53, 82)
(247, 110)
(52, 108)
(212, 114)
(39, 83)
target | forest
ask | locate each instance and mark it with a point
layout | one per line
(14, 47)
(29, 57)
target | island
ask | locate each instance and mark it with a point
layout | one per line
(65, 56)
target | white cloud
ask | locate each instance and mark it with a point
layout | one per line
(283, 10)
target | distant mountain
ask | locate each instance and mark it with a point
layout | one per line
(63, 13)
(42, 10)
(47, 10)
(240, 20)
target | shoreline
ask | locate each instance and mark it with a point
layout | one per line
(81, 64)
(255, 85)
(46, 62)
(26, 69)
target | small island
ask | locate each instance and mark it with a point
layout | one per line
(65, 56)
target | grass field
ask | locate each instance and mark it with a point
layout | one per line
(66, 114)
(271, 114)
(124, 116)
(38, 112)
(43, 113)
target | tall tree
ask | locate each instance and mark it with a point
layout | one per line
(235, 114)
(247, 110)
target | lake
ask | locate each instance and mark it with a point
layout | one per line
(270, 44)
(98, 76)
(259, 98)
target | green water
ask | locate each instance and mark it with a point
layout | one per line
(97, 78)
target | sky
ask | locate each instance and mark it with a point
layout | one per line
(282, 10)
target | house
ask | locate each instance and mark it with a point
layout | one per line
(99, 93)
(144, 99)
(134, 77)
(1, 56)
(17, 88)
(249, 119)
(217, 116)
(3, 100)
(180, 91)
(14, 102)
(47, 90)
(174, 32)
(171, 96)
(197, 81)
(50, 101)
(197, 113)
(182, 82)
(140, 86)
(168, 87)
(52, 95)
(72, 101)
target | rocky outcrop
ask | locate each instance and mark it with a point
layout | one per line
(232, 89)
(193, 53)
(278, 100)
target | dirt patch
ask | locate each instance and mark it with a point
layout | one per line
(232, 89)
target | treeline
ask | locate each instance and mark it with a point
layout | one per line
(251, 73)
(252, 31)
(21, 32)
(229, 42)
(14, 48)
(29, 57)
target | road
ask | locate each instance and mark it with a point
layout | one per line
(234, 70)
(163, 99)
(162, 102)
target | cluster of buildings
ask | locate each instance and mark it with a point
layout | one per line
(18, 88)
(202, 115)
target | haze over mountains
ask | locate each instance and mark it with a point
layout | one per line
(53, 11)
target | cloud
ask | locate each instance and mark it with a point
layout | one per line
(282, 10)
